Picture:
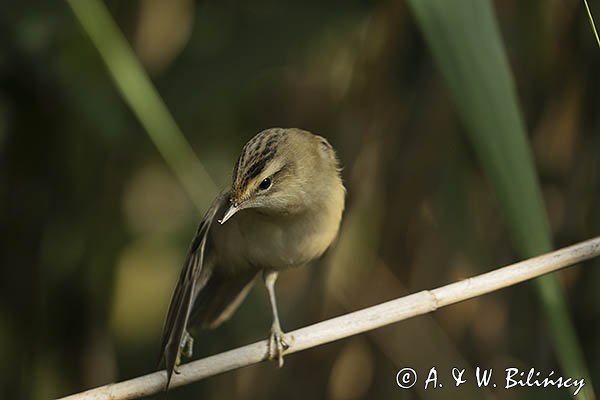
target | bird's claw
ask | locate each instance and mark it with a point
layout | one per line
(187, 347)
(277, 345)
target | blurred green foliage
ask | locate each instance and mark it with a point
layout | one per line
(475, 66)
(94, 225)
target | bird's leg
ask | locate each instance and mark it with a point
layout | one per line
(277, 344)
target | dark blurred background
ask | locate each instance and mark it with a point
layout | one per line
(94, 225)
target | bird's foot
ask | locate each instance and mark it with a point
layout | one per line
(187, 346)
(277, 344)
(186, 349)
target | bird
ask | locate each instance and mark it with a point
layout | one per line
(283, 210)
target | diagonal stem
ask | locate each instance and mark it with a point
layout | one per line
(353, 323)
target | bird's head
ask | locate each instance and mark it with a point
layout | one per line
(281, 172)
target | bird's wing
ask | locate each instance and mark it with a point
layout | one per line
(183, 297)
(219, 298)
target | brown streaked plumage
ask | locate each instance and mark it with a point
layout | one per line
(283, 210)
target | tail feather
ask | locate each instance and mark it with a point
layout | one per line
(193, 277)
(179, 311)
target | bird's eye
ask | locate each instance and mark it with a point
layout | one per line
(265, 184)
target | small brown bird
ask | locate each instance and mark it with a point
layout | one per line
(283, 210)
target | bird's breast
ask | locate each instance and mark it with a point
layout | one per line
(255, 240)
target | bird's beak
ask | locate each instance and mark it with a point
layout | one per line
(233, 208)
